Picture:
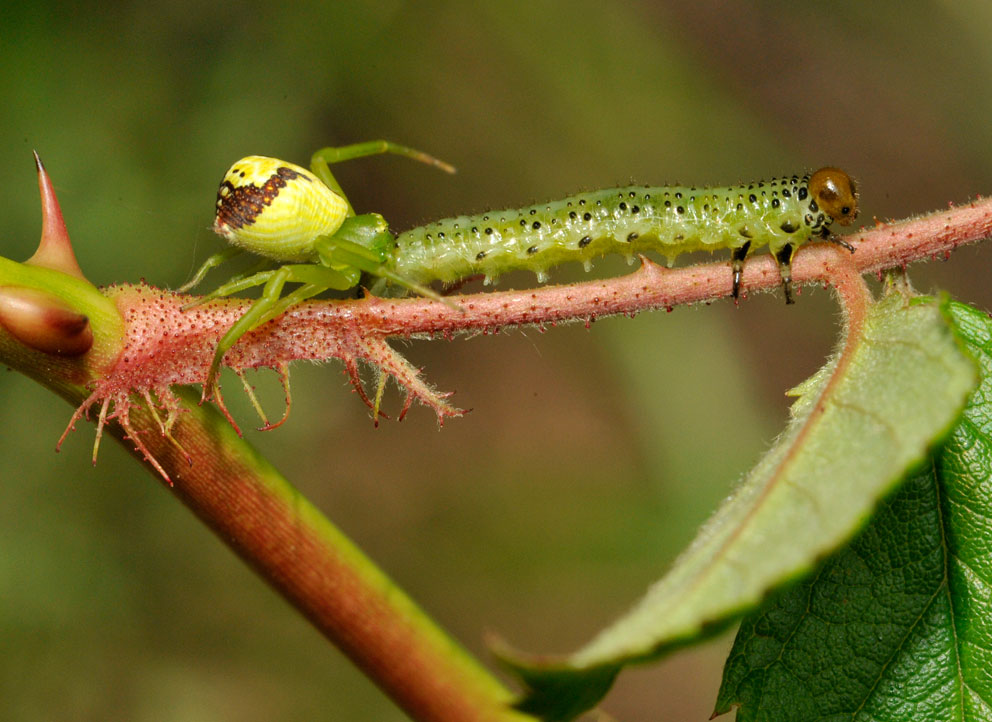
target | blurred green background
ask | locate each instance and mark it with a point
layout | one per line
(589, 457)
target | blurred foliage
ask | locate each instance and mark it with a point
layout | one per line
(590, 455)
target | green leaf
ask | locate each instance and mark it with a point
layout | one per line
(897, 626)
(854, 435)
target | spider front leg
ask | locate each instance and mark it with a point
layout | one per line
(271, 304)
(254, 276)
(323, 158)
(212, 262)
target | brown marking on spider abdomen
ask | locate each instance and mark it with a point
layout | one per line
(240, 206)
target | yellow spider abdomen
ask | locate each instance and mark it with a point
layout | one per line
(276, 209)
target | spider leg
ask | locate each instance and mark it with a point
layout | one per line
(251, 319)
(233, 286)
(376, 147)
(212, 262)
(271, 304)
(323, 158)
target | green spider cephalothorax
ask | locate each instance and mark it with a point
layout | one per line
(300, 218)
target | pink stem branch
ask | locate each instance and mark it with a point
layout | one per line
(652, 286)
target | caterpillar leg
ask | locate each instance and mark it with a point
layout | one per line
(837, 240)
(321, 160)
(737, 257)
(784, 258)
(449, 288)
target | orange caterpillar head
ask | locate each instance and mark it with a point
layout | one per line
(835, 193)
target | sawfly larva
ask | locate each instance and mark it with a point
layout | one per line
(782, 213)
(303, 220)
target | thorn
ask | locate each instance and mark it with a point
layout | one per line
(55, 248)
(99, 428)
(219, 402)
(283, 371)
(140, 446)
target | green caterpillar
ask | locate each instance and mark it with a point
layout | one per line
(781, 213)
(302, 219)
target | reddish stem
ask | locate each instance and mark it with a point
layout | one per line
(652, 286)
(319, 571)
(297, 550)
